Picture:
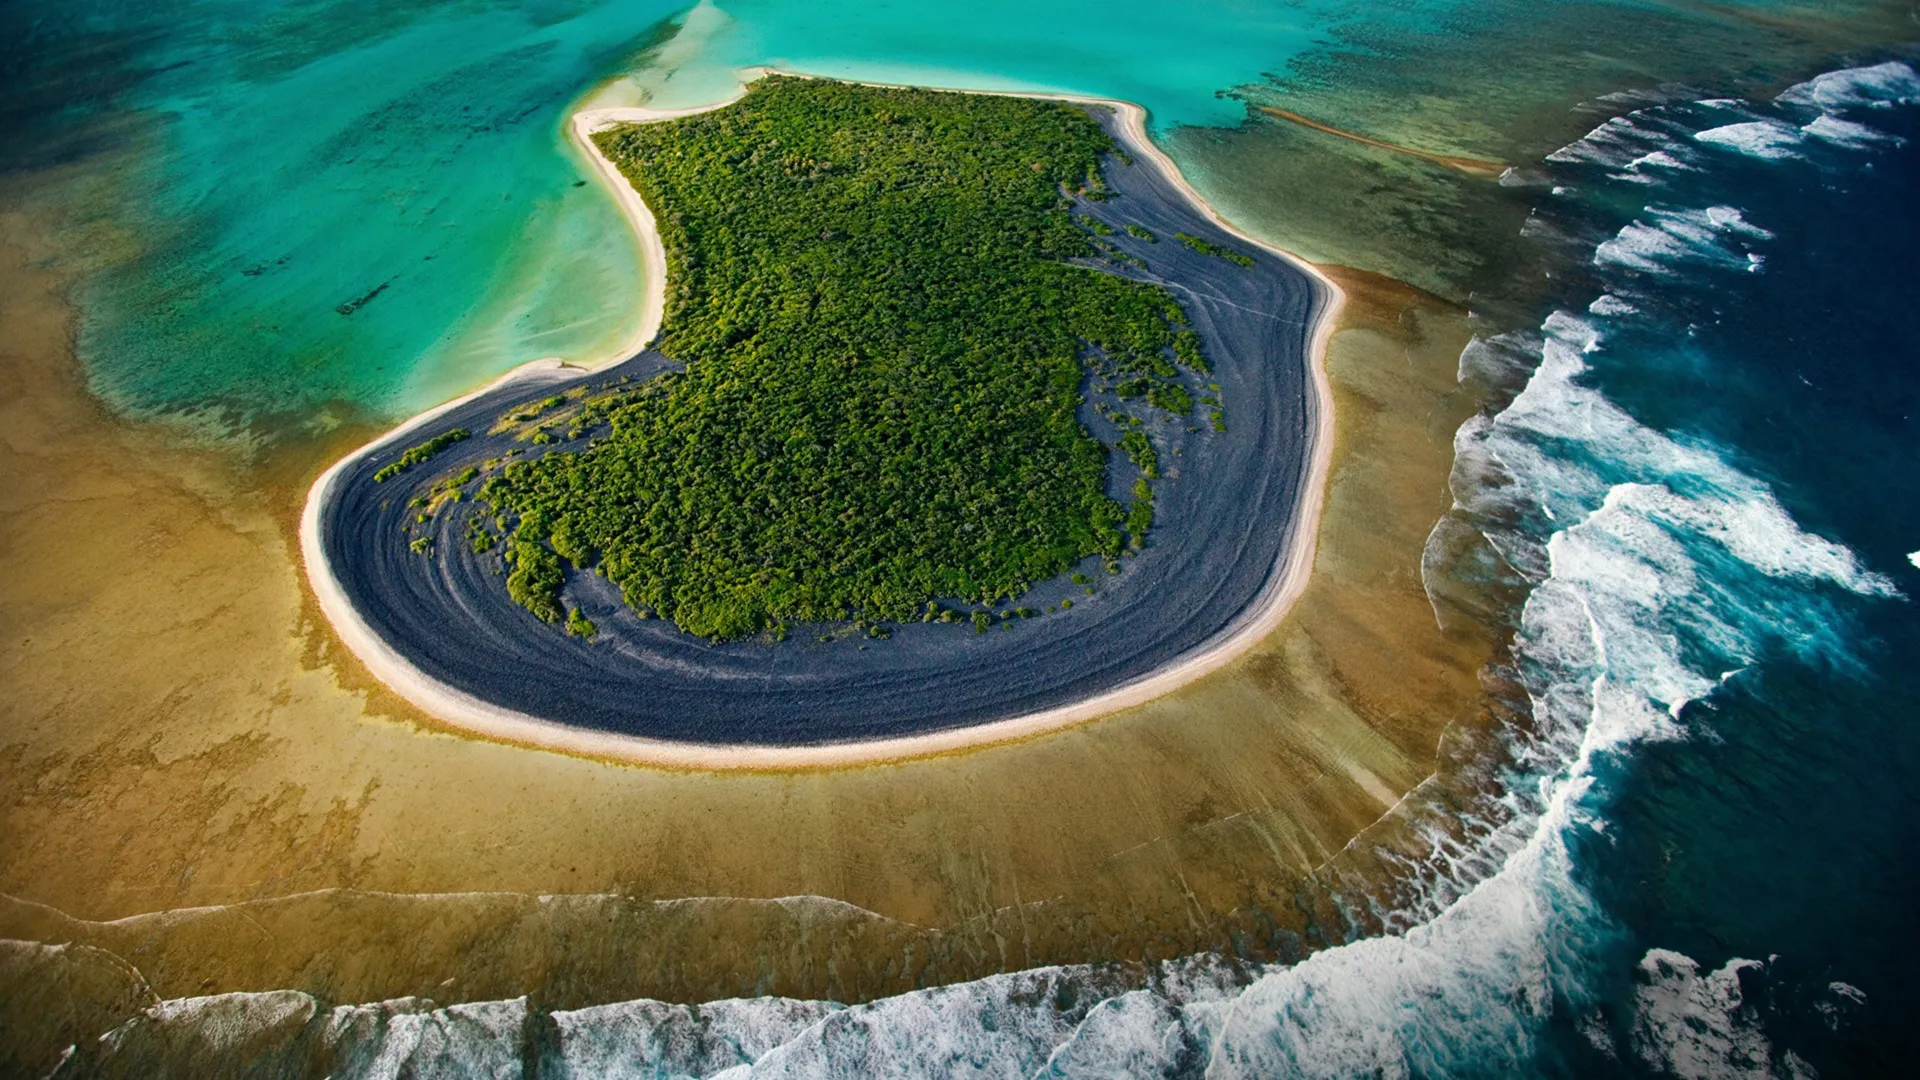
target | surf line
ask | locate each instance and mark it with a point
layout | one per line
(464, 712)
(1481, 167)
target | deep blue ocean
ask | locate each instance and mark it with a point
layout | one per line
(1699, 465)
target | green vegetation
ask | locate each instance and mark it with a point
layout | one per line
(1114, 254)
(1140, 514)
(417, 454)
(580, 626)
(535, 580)
(1141, 232)
(1170, 397)
(1139, 449)
(1098, 227)
(1208, 247)
(478, 537)
(529, 411)
(885, 344)
(1186, 349)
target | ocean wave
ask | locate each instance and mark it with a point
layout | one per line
(1714, 1025)
(1849, 134)
(1879, 86)
(288, 1033)
(1770, 140)
(651, 1038)
(1695, 1026)
(1647, 137)
(1657, 139)
(1661, 240)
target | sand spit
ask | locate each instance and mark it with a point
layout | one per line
(467, 712)
(1481, 167)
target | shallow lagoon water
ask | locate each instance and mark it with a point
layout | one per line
(1632, 869)
(371, 211)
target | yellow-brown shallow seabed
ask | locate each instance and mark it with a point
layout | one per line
(200, 779)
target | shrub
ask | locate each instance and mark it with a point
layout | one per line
(416, 454)
(1208, 247)
(874, 410)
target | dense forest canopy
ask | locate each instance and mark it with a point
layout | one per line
(887, 311)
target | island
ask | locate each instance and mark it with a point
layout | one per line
(964, 419)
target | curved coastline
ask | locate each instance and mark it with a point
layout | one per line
(1285, 580)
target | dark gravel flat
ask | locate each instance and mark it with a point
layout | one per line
(1224, 512)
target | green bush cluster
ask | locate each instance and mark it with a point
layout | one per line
(884, 344)
(535, 579)
(416, 454)
(1208, 247)
(1140, 513)
(1140, 449)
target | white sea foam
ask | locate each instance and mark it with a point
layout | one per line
(1610, 305)
(1846, 133)
(1613, 144)
(1662, 240)
(218, 1023)
(1652, 168)
(1641, 139)
(1914, 558)
(1139, 1033)
(1693, 1026)
(1496, 361)
(1879, 86)
(1770, 140)
(406, 1037)
(481, 1039)
(1661, 159)
(650, 1038)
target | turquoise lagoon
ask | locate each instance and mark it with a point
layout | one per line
(339, 211)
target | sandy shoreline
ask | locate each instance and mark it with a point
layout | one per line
(468, 713)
